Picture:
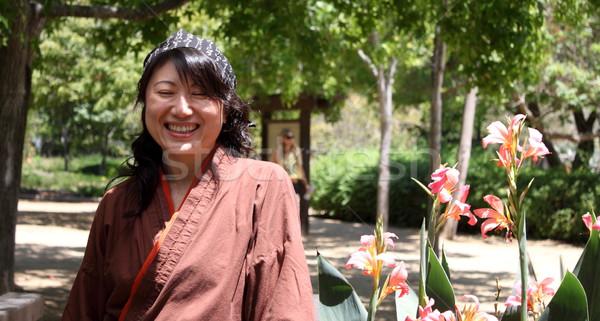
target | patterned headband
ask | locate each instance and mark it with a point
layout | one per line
(183, 39)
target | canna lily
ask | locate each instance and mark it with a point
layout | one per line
(366, 261)
(369, 240)
(444, 179)
(367, 256)
(587, 220)
(535, 294)
(504, 153)
(460, 207)
(472, 313)
(397, 281)
(427, 314)
(499, 134)
(536, 147)
(495, 218)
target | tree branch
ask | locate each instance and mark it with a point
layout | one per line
(392, 70)
(106, 12)
(574, 138)
(369, 63)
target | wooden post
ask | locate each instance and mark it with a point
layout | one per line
(305, 113)
(266, 116)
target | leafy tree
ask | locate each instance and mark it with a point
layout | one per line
(81, 90)
(568, 91)
(20, 25)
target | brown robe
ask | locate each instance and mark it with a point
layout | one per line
(233, 253)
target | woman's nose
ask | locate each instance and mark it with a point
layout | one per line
(182, 107)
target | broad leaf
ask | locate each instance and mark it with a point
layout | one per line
(338, 300)
(407, 305)
(512, 313)
(438, 285)
(422, 267)
(445, 265)
(569, 302)
(588, 273)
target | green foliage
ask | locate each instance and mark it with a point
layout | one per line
(587, 272)
(346, 185)
(82, 179)
(82, 94)
(438, 286)
(337, 298)
(569, 302)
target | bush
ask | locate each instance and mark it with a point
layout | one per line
(81, 179)
(346, 188)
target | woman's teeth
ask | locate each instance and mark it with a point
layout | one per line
(182, 129)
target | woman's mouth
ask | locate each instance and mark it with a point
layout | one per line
(182, 129)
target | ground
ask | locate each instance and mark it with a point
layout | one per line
(51, 239)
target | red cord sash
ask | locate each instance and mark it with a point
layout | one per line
(157, 245)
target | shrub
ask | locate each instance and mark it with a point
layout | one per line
(346, 188)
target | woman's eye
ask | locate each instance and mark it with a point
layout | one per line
(202, 95)
(164, 93)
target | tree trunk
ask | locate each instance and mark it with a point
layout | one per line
(64, 140)
(435, 121)
(385, 82)
(464, 151)
(552, 159)
(435, 124)
(384, 90)
(585, 149)
(15, 89)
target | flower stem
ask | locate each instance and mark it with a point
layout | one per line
(522, 239)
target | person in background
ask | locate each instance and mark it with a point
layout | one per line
(289, 156)
(196, 229)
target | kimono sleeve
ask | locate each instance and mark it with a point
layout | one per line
(278, 283)
(88, 296)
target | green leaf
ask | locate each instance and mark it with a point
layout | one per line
(569, 302)
(408, 305)
(588, 273)
(445, 265)
(423, 267)
(338, 300)
(512, 313)
(438, 285)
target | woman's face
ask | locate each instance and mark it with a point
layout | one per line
(180, 117)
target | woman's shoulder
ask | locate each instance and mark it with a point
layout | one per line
(259, 169)
(120, 194)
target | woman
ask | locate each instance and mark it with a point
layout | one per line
(288, 155)
(195, 232)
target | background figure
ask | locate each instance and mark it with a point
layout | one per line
(289, 156)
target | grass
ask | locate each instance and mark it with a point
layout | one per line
(82, 178)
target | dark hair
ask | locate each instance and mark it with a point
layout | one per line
(191, 64)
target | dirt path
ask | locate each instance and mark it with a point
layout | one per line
(51, 239)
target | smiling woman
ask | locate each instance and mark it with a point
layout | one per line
(195, 232)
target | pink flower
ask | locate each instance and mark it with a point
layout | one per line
(460, 207)
(369, 240)
(494, 217)
(536, 147)
(499, 134)
(587, 220)
(428, 314)
(444, 179)
(472, 313)
(397, 281)
(366, 261)
(505, 157)
(535, 294)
